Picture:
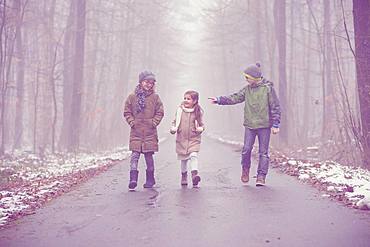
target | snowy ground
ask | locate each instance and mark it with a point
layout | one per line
(344, 183)
(27, 182)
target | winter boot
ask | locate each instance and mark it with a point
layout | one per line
(150, 181)
(133, 179)
(184, 179)
(261, 180)
(245, 175)
(195, 177)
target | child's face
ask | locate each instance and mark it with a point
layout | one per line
(251, 82)
(188, 101)
(147, 84)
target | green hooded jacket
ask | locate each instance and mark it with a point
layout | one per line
(261, 107)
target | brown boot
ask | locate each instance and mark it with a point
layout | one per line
(245, 175)
(261, 180)
(195, 177)
(184, 179)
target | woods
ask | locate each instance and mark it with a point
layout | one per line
(66, 67)
(64, 64)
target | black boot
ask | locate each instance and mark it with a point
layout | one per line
(133, 179)
(150, 181)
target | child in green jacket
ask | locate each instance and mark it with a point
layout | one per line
(261, 117)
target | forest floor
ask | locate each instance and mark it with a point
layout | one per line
(27, 182)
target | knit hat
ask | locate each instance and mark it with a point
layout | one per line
(253, 71)
(146, 75)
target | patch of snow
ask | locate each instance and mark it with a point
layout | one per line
(330, 188)
(304, 176)
(292, 162)
(364, 203)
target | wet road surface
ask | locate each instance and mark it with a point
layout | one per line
(222, 212)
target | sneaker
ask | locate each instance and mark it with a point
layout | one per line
(245, 175)
(261, 181)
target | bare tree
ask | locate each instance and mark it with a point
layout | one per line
(7, 45)
(280, 30)
(68, 46)
(78, 61)
(361, 13)
(18, 125)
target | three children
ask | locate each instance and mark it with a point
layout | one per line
(144, 111)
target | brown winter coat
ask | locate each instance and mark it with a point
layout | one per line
(143, 134)
(187, 139)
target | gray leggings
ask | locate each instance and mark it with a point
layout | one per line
(148, 160)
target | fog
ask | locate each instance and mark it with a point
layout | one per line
(67, 67)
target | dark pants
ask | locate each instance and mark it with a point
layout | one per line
(148, 160)
(263, 135)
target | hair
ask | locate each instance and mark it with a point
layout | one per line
(197, 109)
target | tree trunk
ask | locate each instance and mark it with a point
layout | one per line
(361, 13)
(75, 121)
(35, 114)
(7, 44)
(257, 37)
(271, 45)
(291, 84)
(307, 77)
(54, 97)
(122, 86)
(329, 117)
(3, 40)
(280, 30)
(322, 62)
(91, 112)
(18, 125)
(67, 76)
(52, 56)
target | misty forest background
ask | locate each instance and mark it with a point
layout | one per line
(67, 66)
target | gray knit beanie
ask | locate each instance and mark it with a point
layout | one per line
(254, 70)
(146, 75)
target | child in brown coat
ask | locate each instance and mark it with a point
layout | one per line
(189, 126)
(143, 112)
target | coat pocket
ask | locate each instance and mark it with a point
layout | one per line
(149, 127)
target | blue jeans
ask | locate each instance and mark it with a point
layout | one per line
(263, 135)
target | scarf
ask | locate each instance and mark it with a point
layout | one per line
(141, 94)
(178, 119)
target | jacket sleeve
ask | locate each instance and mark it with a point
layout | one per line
(201, 127)
(159, 112)
(232, 99)
(274, 106)
(128, 112)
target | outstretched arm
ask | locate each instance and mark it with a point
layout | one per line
(229, 100)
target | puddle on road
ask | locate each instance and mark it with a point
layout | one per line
(153, 199)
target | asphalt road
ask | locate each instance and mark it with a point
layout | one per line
(222, 212)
